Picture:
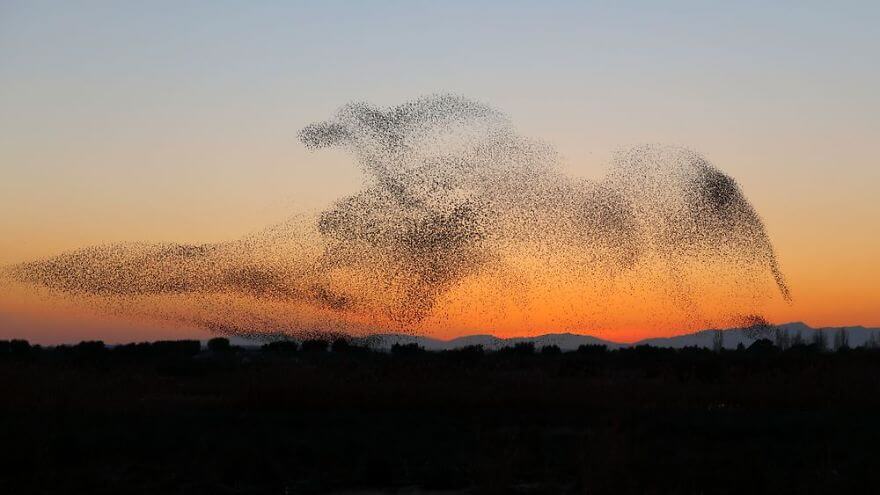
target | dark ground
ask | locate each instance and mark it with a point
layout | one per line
(153, 419)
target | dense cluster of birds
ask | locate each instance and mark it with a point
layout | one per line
(454, 196)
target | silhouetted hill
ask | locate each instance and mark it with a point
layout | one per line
(732, 337)
(857, 335)
(565, 341)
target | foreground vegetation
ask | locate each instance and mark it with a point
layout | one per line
(317, 417)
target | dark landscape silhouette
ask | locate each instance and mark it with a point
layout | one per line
(790, 412)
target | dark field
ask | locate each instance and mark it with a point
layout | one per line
(168, 418)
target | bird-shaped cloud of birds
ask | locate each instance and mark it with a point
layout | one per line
(455, 203)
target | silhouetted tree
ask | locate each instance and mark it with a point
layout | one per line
(19, 347)
(841, 340)
(182, 348)
(406, 349)
(820, 340)
(524, 348)
(471, 349)
(281, 347)
(340, 345)
(314, 346)
(782, 338)
(762, 347)
(592, 349)
(466, 354)
(519, 349)
(88, 351)
(90, 346)
(718, 340)
(219, 344)
(551, 350)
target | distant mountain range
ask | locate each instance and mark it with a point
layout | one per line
(856, 335)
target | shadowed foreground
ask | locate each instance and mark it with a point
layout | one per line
(171, 418)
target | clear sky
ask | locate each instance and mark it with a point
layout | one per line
(176, 121)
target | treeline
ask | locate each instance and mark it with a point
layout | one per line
(781, 344)
(96, 348)
(821, 340)
(332, 416)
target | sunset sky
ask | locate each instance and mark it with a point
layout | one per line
(177, 121)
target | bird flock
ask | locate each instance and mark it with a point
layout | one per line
(461, 221)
